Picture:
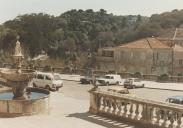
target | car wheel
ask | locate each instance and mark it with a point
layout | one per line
(57, 89)
(47, 87)
(34, 85)
(117, 83)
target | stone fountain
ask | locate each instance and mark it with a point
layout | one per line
(17, 78)
(22, 100)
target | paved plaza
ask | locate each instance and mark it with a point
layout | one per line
(69, 108)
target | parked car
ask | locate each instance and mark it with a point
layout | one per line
(133, 83)
(50, 81)
(89, 79)
(175, 100)
(86, 80)
(110, 79)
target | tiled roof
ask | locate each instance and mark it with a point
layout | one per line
(149, 43)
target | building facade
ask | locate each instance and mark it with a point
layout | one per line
(144, 56)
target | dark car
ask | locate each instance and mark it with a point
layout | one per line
(86, 80)
(175, 100)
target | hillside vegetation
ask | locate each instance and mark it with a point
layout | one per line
(75, 32)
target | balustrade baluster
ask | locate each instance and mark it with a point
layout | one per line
(158, 115)
(125, 109)
(131, 111)
(165, 118)
(114, 106)
(109, 105)
(153, 115)
(171, 120)
(100, 102)
(144, 112)
(179, 120)
(104, 104)
(119, 105)
(137, 112)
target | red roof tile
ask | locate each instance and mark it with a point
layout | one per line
(146, 43)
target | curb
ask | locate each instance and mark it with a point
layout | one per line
(70, 80)
(164, 89)
(144, 87)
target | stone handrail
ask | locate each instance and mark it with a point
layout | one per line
(141, 112)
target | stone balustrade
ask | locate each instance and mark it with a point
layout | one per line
(141, 112)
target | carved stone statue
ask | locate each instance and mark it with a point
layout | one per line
(18, 57)
(18, 48)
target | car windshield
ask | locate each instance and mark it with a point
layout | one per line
(128, 80)
(176, 101)
(57, 77)
(136, 80)
(107, 77)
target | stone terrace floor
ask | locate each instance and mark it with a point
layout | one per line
(69, 109)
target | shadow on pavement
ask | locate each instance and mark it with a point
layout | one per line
(100, 120)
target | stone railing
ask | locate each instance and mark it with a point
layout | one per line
(141, 112)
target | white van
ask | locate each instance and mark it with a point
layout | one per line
(110, 79)
(50, 81)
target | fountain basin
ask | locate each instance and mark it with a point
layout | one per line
(12, 75)
(38, 104)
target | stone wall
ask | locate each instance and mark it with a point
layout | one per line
(13, 108)
(143, 61)
(134, 60)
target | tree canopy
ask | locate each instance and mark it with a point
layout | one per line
(77, 31)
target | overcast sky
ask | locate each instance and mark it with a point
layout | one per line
(9, 9)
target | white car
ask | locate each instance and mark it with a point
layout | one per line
(133, 83)
(110, 79)
(49, 81)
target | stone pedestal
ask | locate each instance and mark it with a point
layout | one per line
(93, 102)
(19, 90)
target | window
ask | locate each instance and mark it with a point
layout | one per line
(157, 56)
(107, 77)
(180, 62)
(136, 80)
(39, 76)
(57, 77)
(106, 53)
(48, 78)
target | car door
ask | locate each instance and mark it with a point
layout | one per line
(112, 80)
(48, 80)
(39, 80)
